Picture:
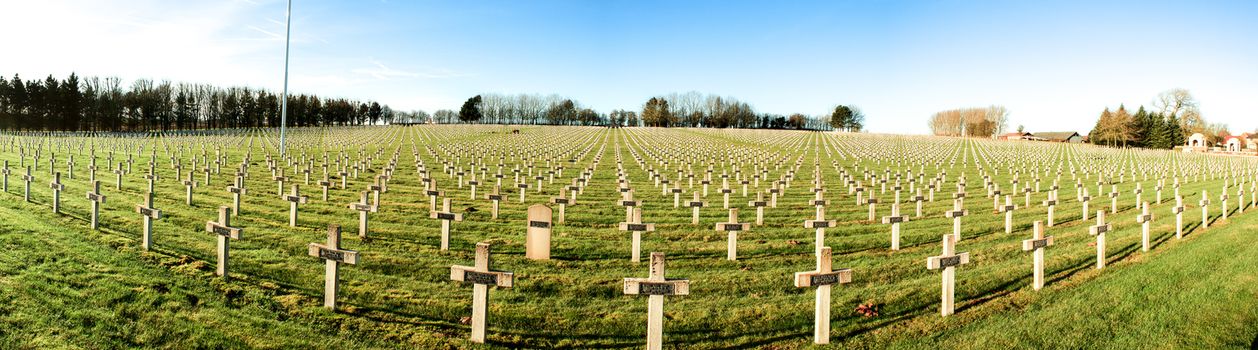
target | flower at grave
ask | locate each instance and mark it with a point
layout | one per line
(465, 320)
(867, 310)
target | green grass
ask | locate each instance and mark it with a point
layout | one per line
(64, 285)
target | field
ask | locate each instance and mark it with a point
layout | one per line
(65, 285)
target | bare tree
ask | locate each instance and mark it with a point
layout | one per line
(1181, 104)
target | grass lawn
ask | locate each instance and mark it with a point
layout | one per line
(63, 285)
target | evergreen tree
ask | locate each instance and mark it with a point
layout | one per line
(1140, 126)
(18, 102)
(841, 117)
(71, 103)
(4, 103)
(470, 112)
(1156, 132)
(1174, 132)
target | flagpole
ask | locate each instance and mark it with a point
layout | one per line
(288, 24)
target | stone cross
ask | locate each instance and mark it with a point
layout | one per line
(635, 226)
(224, 231)
(149, 214)
(656, 287)
(627, 201)
(1178, 210)
(1008, 210)
(1223, 204)
(1205, 209)
(948, 262)
(481, 277)
(733, 227)
(237, 191)
(522, 187)
(895, 219)
(294, 198)
(325, 184)
(822, 278)
(873, 203)
(537, 236)
(676, 190)
(375, 190)
(28, 179)
(1113, 199)
(333, 256)
(1159, 190)
(725, 191)
(918, 198)
(1099, 231)
(956, 214)
(151, 177)
(694, 205)
(96, 198)
(279, 180)
(563, 201)
(1139, 191)
(57, 187)
(1240, 199)
(190, 184)
(496, 197)
(5, 172)
(1085, 198)
(759, 204)
(1051, 203)
(820, 224)
(1144, 219)
(362, 207)
(1037, 243)
(118, 173)
(445, 215)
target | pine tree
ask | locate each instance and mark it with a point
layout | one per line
(1140, 126)
(1156, 132)
(1175, 133)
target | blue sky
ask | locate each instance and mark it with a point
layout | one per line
(1054, 64)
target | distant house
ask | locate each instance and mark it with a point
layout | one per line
(1060, 136)
(1013, 136)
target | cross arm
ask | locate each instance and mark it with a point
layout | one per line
(1033, 244)
(815, 278)
(469, 274)
(939, 262)
(647, 286)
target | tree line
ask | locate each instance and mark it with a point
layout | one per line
(690, 109)
(104, 104)
(1175, 115)
(970, 122)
